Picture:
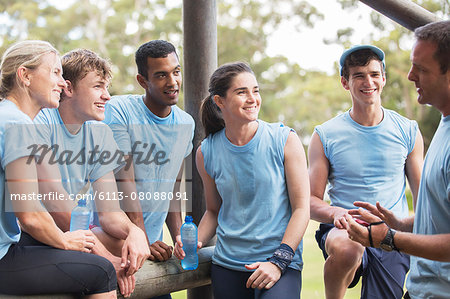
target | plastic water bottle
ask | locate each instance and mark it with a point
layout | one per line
(80, 217)
(189, 238)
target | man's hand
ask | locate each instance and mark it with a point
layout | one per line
(126, 283)
(160, 251)
(360, 233)
(384, 214)
(265, 275)
(135, 250)
(338, 215)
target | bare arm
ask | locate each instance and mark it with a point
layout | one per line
(116, 223)
(208, 223)
(21, 178)
(298, 188)
(173, 219)
(50, 181)
(414, 165)
(160, 250)
(318, 177)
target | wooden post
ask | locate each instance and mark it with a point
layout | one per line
(405, 12)
(200, 61)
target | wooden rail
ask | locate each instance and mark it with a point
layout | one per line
(155, 279)
(405, 12)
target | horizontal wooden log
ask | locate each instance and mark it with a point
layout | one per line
(405, 12)
(157, 278)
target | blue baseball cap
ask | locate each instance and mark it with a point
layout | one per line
(347, 52)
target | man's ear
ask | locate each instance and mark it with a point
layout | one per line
(68, 90)
(142, 81)
(344, 83)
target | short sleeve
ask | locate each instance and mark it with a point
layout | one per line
(43, 129)
(20, 141)
(115, 118)
(190, 144)
(414, 128)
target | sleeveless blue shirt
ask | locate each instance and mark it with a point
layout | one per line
(255, 206)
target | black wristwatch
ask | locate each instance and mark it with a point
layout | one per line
(388, 242)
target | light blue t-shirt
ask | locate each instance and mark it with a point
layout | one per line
(255, 208)
(431, 279)
(158, 146)
(16, 136)
(368, 163)
(83, 157)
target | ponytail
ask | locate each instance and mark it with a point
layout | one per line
(211, 116)
(219, 84)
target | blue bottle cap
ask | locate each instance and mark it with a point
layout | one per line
(188, 218)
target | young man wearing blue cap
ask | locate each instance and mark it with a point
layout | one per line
(364, 154)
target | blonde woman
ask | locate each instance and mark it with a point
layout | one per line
(40, 259)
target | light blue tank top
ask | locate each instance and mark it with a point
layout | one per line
(368, 163)
(255, 206)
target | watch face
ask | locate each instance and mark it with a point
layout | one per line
(388, 242)
(386, 247)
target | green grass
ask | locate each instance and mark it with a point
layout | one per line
(312, 275)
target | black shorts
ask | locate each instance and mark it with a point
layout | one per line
(33, 268)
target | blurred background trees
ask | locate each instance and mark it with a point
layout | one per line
(299, 97)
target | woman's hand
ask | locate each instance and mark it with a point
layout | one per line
(178, 251)
(80, 240)
(266, 275)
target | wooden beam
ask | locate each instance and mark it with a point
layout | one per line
(200, 61)
(155, 279)
(405, 12)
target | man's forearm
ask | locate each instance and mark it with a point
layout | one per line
(173, 222)
(432, 247)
